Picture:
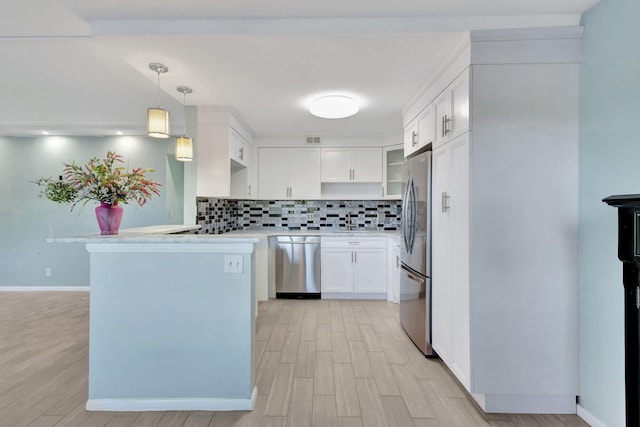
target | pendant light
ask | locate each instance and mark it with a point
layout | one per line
(184, 144)
(157, 118)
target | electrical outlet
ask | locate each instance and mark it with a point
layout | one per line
(309, 217)
(47, 272)
(233, 264)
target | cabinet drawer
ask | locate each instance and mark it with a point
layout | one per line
(354, 242)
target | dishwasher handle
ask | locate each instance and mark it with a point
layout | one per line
(298, 243)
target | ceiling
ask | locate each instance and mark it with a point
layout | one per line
(80, 67)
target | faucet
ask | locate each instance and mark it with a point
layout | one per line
(350, 224)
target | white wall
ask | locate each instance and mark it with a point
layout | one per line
(28, 220)
(609, 164)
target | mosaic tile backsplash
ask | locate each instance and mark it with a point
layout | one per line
(217, 216)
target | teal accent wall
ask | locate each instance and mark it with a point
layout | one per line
(609, 164)
(27, 220)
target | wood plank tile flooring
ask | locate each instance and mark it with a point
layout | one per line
(319, 363)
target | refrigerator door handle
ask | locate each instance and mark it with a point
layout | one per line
(413, 276)
(414, 214)
(405, 216)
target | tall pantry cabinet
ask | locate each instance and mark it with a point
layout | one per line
(505, 211)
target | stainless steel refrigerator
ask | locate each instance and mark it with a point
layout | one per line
(415, 278)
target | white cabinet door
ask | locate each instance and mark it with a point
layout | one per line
(336, 165)
(459, 93)
(393, 270)
(304, 173)
(352, 164)
(450, 256)
(451, 110)
(425, 127)
(272, 173)
(392, 164)
(411, 137)
(237, 147)
(459, 239)
(286, 173)
(442, 113)
(354, 265)
(441, 325)
(420, 131)
(366, 164)
(370, 271)
(336, 270)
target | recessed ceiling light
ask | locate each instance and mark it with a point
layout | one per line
(334, 107)
(44, 132)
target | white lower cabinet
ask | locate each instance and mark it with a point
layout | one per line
(354, 267)
(393, 269)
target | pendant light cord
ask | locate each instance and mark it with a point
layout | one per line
(184, 105)
(158, 96)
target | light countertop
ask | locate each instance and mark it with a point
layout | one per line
(169, 234)
(268, 232)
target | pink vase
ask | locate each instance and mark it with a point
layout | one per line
(109, 217)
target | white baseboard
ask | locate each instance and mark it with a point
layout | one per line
(43, 288)
(177, 404)
(588, 418)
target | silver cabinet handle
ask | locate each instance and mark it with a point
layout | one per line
(445, 125)
(355, 256)
(249, 190)
(351, 257)
(241, 153)
(397, 261)
(445, 201)
(414, 138)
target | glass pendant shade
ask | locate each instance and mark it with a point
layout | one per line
(157, 123)
(184, 149)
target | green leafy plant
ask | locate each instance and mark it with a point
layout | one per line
(101, 180)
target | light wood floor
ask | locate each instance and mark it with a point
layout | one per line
(320, 363)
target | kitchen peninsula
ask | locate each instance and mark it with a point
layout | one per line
(172, 320)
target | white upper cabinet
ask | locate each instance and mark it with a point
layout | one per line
(239, 148)
(336, 165)
(289, 173)
(392, 171)
(352, 165)
(223, 156)
(419, 132)
(451, 110)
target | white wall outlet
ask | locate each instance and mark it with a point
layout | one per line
(233, 264)
(47, 272)
(310, 217)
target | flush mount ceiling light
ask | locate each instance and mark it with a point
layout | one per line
(334, 107)
(157, 118)
(184, 144)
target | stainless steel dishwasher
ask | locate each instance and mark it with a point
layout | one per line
(297, 266)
